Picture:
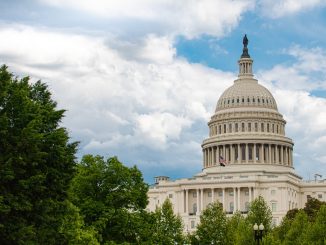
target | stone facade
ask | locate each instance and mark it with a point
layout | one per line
(247, 135)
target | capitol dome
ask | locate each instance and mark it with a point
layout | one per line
(246, 128)
(246, 93)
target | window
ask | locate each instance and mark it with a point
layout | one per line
(194, 208)
(170, 195)
(231, 206)
(231, 193)
(220, 193)
(250, 151)
(242, 127)
(230, 128)
(274, 206)
(273, 128)
(320, 196)
(249, 127)
(194, 194)
(246, 206)
(193, 224)
(246, 193)
(268, 127)
(256, 127)
(262, 127)
(236, 127)
(224, 128)
(209, 194)
(273, 192)
(274, 222)
(219, 129)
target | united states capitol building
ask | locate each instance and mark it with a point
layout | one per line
(247, 135)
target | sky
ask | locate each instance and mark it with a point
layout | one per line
(140, 79)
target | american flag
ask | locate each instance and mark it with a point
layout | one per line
(222, 161)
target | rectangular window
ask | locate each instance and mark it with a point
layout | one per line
(262, 127)
(194, 194)
(243, 127)
(246, 193)
(236, 127)
(267, 127)
(220, 193)
(273, 128)
(249, 127)
(231, 206)
(274, 206)
(170, 195)
(219, 129)
(231, 193)
(209, 194)
(273, 192)
(320, 196)
(250, 151)
(230, 128)
(256, 127)
(224, 128)
(193, 224)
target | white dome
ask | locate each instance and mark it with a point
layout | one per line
(246, 93)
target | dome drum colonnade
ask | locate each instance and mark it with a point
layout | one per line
(247, 127)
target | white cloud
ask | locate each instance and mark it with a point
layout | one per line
(304, 113)
(190, 18)
(132, 106)
(281, 8)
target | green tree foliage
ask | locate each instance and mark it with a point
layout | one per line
(317, 231)
(297, 233)
(213, 225)
(109, 196)
(36, 163)
(260, 213)
(167, 228)
(312, 207)
(239, 230)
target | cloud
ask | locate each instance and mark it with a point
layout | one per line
(282, 8)
(165, 17)
(142, 106)
(304, 113)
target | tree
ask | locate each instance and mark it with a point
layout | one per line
(260, 213)
(316, 233)
(296, 234)
(37, 163)
(239, 230)
(167, 228)
(213, 225)
(312, 207)
(109, 196)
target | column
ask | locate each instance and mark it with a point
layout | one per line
(232, 154)
(212, 190)
(282, 159)
(187, 202)
(234, 200)
(212, 153)
(246, 148)
(262, 156)
(239, 155)
(254, 155)
(197, 201)
(223, 198)
(269, 154)
(201, 200)
(239, 194)
(249, 193)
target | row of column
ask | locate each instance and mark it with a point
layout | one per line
(248, 153)
(200, 198)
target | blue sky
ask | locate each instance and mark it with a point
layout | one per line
(140, 79)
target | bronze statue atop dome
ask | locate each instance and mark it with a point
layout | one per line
(245, 42)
